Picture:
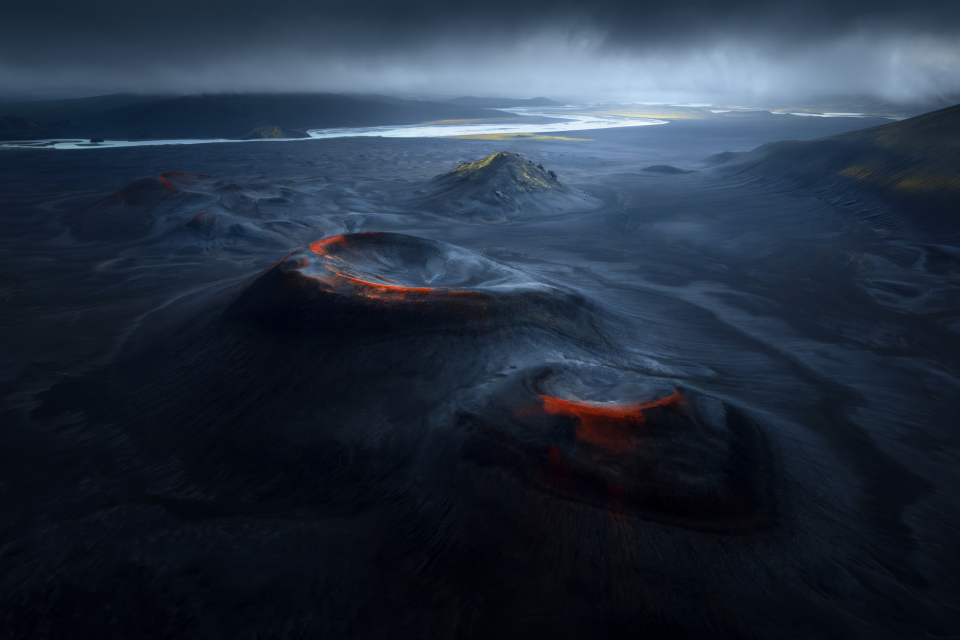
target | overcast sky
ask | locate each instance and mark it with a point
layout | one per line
(745, 51)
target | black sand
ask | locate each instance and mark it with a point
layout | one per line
(712, 406)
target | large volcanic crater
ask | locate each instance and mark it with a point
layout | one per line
(374, 282)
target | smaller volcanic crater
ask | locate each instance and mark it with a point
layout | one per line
(197, 213)
(370, 281)
(133, 212)
(500, 188)
(635, 446)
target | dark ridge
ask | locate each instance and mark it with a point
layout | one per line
(236, 116)
(500, 188)
(73, 109)
(720, 158)
(379, 97)
(751, 113)
(666, 169)
(900, 176)
(502, 103)
(13, 128)
(265, 131)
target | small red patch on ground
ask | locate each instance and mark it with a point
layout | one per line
(166, 183)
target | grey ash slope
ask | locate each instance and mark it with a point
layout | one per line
(178, 467)
(903, 176)
(500, 188)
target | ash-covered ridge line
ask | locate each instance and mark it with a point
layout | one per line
(502, 187)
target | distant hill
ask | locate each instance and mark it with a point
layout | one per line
(75, 109)
(378, 97)
(465, 101)
(500, 188)
(502, 103)
(20, 129)
(231, 116)
(904, 175)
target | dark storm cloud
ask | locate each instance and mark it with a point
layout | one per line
(602, 49)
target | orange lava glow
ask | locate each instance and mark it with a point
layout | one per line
(320, 246)
(610, 427)
(375, 290)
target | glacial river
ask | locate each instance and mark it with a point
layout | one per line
(566, 119)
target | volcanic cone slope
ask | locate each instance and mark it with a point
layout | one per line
(341, 339)
(631, 444)
(370, 337)
(500, 188)
(415, 413)
(902, 175)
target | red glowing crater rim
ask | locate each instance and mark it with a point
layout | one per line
(400, 268)
(613, 427)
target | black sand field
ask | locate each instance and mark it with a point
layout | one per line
(456, 388)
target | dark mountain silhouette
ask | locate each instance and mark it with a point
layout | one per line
(267, 131)
(20, 129)
(236, 116)
(502, 103)
(74, 109)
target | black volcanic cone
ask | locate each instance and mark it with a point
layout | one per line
(629, 444)
(500, 188)
(298, 350)
(190, 213)
(387, 436)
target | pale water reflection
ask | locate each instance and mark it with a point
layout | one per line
(555, 120)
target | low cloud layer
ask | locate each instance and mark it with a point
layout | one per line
(744, 52)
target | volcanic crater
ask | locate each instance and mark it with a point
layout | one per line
(630, 444)
(391, 281)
